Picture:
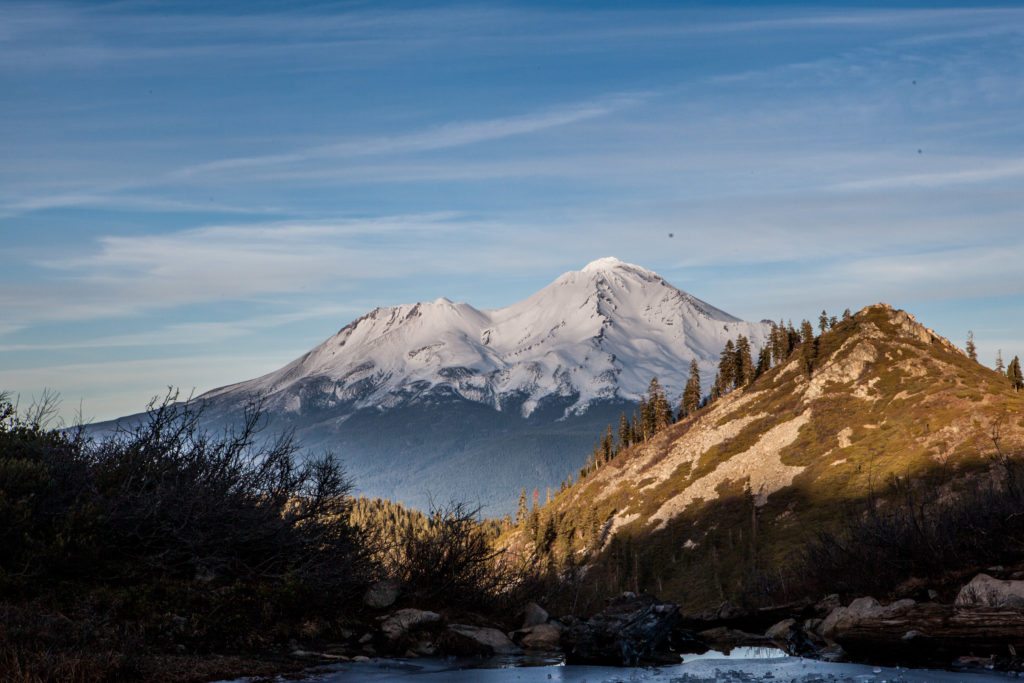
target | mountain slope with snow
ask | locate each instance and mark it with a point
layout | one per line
(436, 401)
(600, 333)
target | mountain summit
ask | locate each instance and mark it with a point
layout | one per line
(438, 400)
(597, 334)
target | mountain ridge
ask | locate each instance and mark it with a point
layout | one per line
(744, 484)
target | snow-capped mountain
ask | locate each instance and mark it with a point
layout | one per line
(437, 401)
(597, 334)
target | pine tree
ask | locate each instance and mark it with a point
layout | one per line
(606, 445)
(659, 411)
(727, 367)
(808, 348)
(625, 433)
(645, 422)
(1000, 366)
(1015, 375)
(691, 394)
(846, 314)
(823, 322)
(972, 350)
(764, 362)
(832, 322)
(521, 509)
(716, 389)
(744, 362)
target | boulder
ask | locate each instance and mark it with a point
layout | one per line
(381, 594)
(631, 630)
(533, 615)
(985, 591)
(399, 623)
(781, 631)
(545, 637)
(466, 640)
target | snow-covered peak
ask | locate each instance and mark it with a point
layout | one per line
(599, 333)
(606, 263)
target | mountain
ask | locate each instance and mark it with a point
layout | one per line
(745, 484)
(439, 400)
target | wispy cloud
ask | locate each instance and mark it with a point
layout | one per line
(451, 135)
(966, 176)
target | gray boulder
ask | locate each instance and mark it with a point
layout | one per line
(985, 591)
(533, 615)
(381, 594)
(399, 623)
(545, 637)
(463, 639)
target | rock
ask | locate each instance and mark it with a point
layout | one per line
(399, 623)
(825, 606)
(539, 637)
(466, 640)
(781, 631)
(381, 594)
(630, 630)
(985, 591)
(533, 615)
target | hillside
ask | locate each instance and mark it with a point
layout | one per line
(440, 400)
(730, 496)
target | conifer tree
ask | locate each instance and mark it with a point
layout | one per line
(808, 348)
(1000, 366)
(846, 314)
(744, 362)
(1015, 375)
(727, 367)
(606, 445)
(823, 322)
(716, 389)
(764, 362)
(625, 433)
(972, 350)
(521, 509)
(691, 394)
(832, 322)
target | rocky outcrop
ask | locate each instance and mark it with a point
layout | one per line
(633, 629)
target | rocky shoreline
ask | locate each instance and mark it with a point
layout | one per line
(983, 628)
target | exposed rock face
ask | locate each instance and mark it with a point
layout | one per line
(382, 594)
(985, 591)
(401, 622)
(631, 630)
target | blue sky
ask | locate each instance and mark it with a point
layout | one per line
(194, 194)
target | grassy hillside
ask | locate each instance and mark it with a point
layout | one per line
(721, 505)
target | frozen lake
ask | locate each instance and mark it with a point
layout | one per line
(744, 665)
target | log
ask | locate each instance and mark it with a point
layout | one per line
(931, 632)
